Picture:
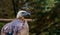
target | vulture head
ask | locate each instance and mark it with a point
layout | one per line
(23, 13)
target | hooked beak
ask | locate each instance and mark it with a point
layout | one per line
(27, 15)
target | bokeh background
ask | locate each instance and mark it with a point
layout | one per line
(45, 12)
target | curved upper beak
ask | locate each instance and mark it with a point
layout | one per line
(28, 13)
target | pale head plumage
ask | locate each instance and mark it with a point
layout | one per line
(22, 13)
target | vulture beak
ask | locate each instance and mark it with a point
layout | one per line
(26, 15)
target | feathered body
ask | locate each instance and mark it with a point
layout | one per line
(16, 27)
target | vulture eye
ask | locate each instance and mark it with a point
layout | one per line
(23, 12)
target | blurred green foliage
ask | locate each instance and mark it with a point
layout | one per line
(1, 25)
(45, 12)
